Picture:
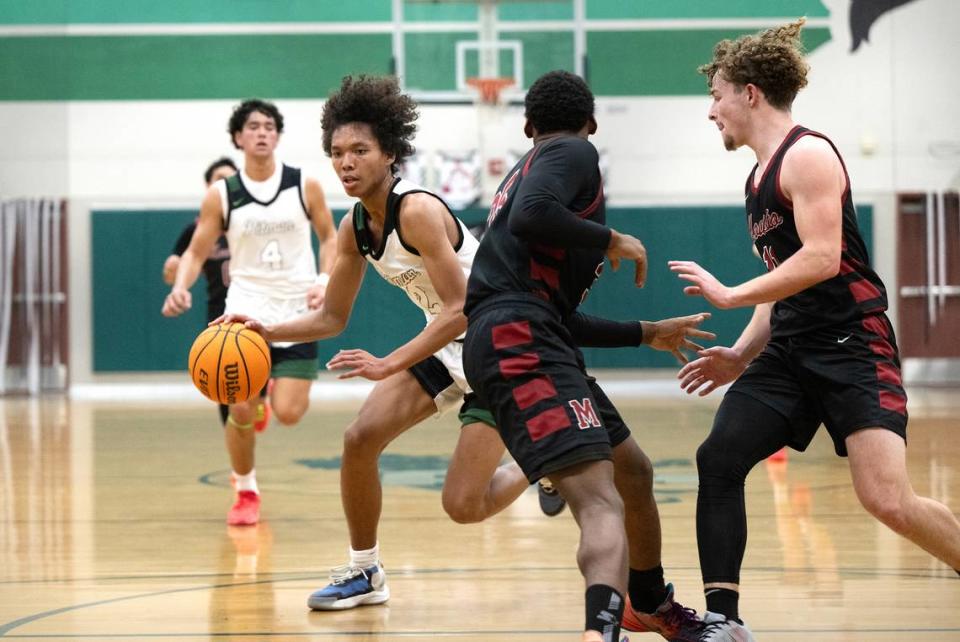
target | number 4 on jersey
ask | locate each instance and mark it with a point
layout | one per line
(270, 255)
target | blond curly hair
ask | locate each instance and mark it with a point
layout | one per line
(772, 60)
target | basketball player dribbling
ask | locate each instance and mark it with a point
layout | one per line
(413, 240)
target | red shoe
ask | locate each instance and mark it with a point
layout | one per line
(246, 512)
(262, 420)
(671, 620)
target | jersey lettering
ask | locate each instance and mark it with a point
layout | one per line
(586, 415)
(769, 258)
(501, 198)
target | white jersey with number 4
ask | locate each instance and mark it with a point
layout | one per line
(268, 229)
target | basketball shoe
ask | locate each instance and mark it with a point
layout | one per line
(246, 510)
(672, 620)
(351, 586)
(596, 636)
(551, 503)
(719, 628)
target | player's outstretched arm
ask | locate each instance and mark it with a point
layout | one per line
(209, 229)
(718, 366)
(670, 335)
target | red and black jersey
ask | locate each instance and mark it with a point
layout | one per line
(856, 291)
(546, 232)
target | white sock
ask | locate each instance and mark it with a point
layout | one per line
(367, 558)
(246, 482)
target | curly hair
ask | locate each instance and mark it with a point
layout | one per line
(223, 161)
(378, 102)
(558, 101)
(772, 60)
(242, 112)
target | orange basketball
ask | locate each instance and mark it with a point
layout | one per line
(229, 363)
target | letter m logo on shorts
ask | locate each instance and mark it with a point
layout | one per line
(586, 415)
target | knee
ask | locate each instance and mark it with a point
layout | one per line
(887, 506)
(461, 508)
(289, 415)
(361, 438)
(715, 462)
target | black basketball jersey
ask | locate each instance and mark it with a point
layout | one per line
(545, 233)
(853, 293)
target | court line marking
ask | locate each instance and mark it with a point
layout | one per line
(14, 624)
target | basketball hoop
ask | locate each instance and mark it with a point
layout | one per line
(489, 89)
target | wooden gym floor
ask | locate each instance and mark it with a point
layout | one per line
(112, 528)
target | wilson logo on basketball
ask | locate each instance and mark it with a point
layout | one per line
(229, 363)
(231, 376)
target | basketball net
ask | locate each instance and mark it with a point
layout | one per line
(488, 89)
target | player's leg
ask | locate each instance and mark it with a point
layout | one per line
(602, 554)
(290, 399)
(240, 440)
(294, 369)
(394, 405)
(477, 485)
(878, 466)
(650, 604)
(520, 360)
(745, 432)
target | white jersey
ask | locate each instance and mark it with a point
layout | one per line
(402, 266)
(397, 262)
(268, 230)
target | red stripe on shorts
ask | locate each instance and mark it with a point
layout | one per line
(888, 373)
(862, 290)
(547, 423)
(893, 401)
(533, 391)
(882, 348)
(508, 335)
(513, 366)
(876, 325)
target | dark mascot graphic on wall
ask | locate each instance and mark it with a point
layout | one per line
(863, 13)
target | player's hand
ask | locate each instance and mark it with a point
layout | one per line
(702, 283)
(170, 269)
(248, 322)
(674, 335)
(624, 246)
(717, 366)
(315, 296)
(359, 363)
(177, 302)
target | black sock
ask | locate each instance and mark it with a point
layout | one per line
(723, 601)
(604, 611)
(646, 589)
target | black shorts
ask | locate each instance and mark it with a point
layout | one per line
(846, 378)
(521, 362)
